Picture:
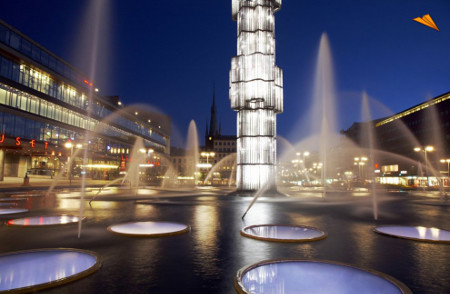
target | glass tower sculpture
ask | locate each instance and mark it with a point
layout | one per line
(256, 93)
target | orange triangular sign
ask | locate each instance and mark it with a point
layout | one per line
(428, 21)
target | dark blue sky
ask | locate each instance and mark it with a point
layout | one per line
(169, 53)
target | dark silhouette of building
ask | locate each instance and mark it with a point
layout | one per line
(397, 136)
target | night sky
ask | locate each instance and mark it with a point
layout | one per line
(169, 54)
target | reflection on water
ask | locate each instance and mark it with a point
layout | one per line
(207, 228)
(206, 259)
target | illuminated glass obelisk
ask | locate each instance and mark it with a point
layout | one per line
(256, 93)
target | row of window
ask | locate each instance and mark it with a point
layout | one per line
(28, 103)
(15, 126)
(225, 149)
(224, 143)
(45, 84)
(15, 41)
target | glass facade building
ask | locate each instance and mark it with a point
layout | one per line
(45, 102)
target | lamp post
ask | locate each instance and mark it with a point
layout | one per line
(360, 162)
(207, 155)
(69, 145)
(425, 149)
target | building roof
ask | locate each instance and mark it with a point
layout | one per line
(416, 108)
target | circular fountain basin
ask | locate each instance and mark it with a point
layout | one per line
(314, 276)
(416, 233)
(283, 233)
(12, 210)
(149, 229)
(38, 221)
(27, 271)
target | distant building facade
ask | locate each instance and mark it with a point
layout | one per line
(222, 146)
(46, 102)
(426, 124)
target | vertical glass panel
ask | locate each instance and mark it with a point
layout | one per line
(52, 62)
(14, 41)
(26, 47)
(3, 94)
(19, 127)
(4, 35)
(23, 102)
(15, 72)
(13, 100)
(44, 58)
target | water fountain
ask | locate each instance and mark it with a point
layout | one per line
(223, 162)
(192, 151)
(370, 134)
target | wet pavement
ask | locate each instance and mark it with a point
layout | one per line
(207, 258)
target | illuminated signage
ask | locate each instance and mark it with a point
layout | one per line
(18, 142)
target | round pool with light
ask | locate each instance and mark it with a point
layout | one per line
(415, 233)
(27, 271)
(37, 221)
(149, 229)
(314, 276)
(283, 233)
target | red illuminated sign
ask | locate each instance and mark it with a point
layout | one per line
(18, 142)
(87, 83)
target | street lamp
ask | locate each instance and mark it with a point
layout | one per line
(207, 155)
(69, 145)
(360, 162)
(425, 149)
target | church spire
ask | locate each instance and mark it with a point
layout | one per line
(213, 131)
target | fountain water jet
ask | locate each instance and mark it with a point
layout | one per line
(223, 161)
(370, 134)
(324, 103)
(192, 150)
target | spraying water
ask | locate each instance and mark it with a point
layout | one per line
(370, 139)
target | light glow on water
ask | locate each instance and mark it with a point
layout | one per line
(309, 276)
(416, 233)
(283, 233)
(43, 220)
(37, 269)
(149, 229)
(12, 210)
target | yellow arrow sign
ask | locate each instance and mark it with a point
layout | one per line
(427, 20)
